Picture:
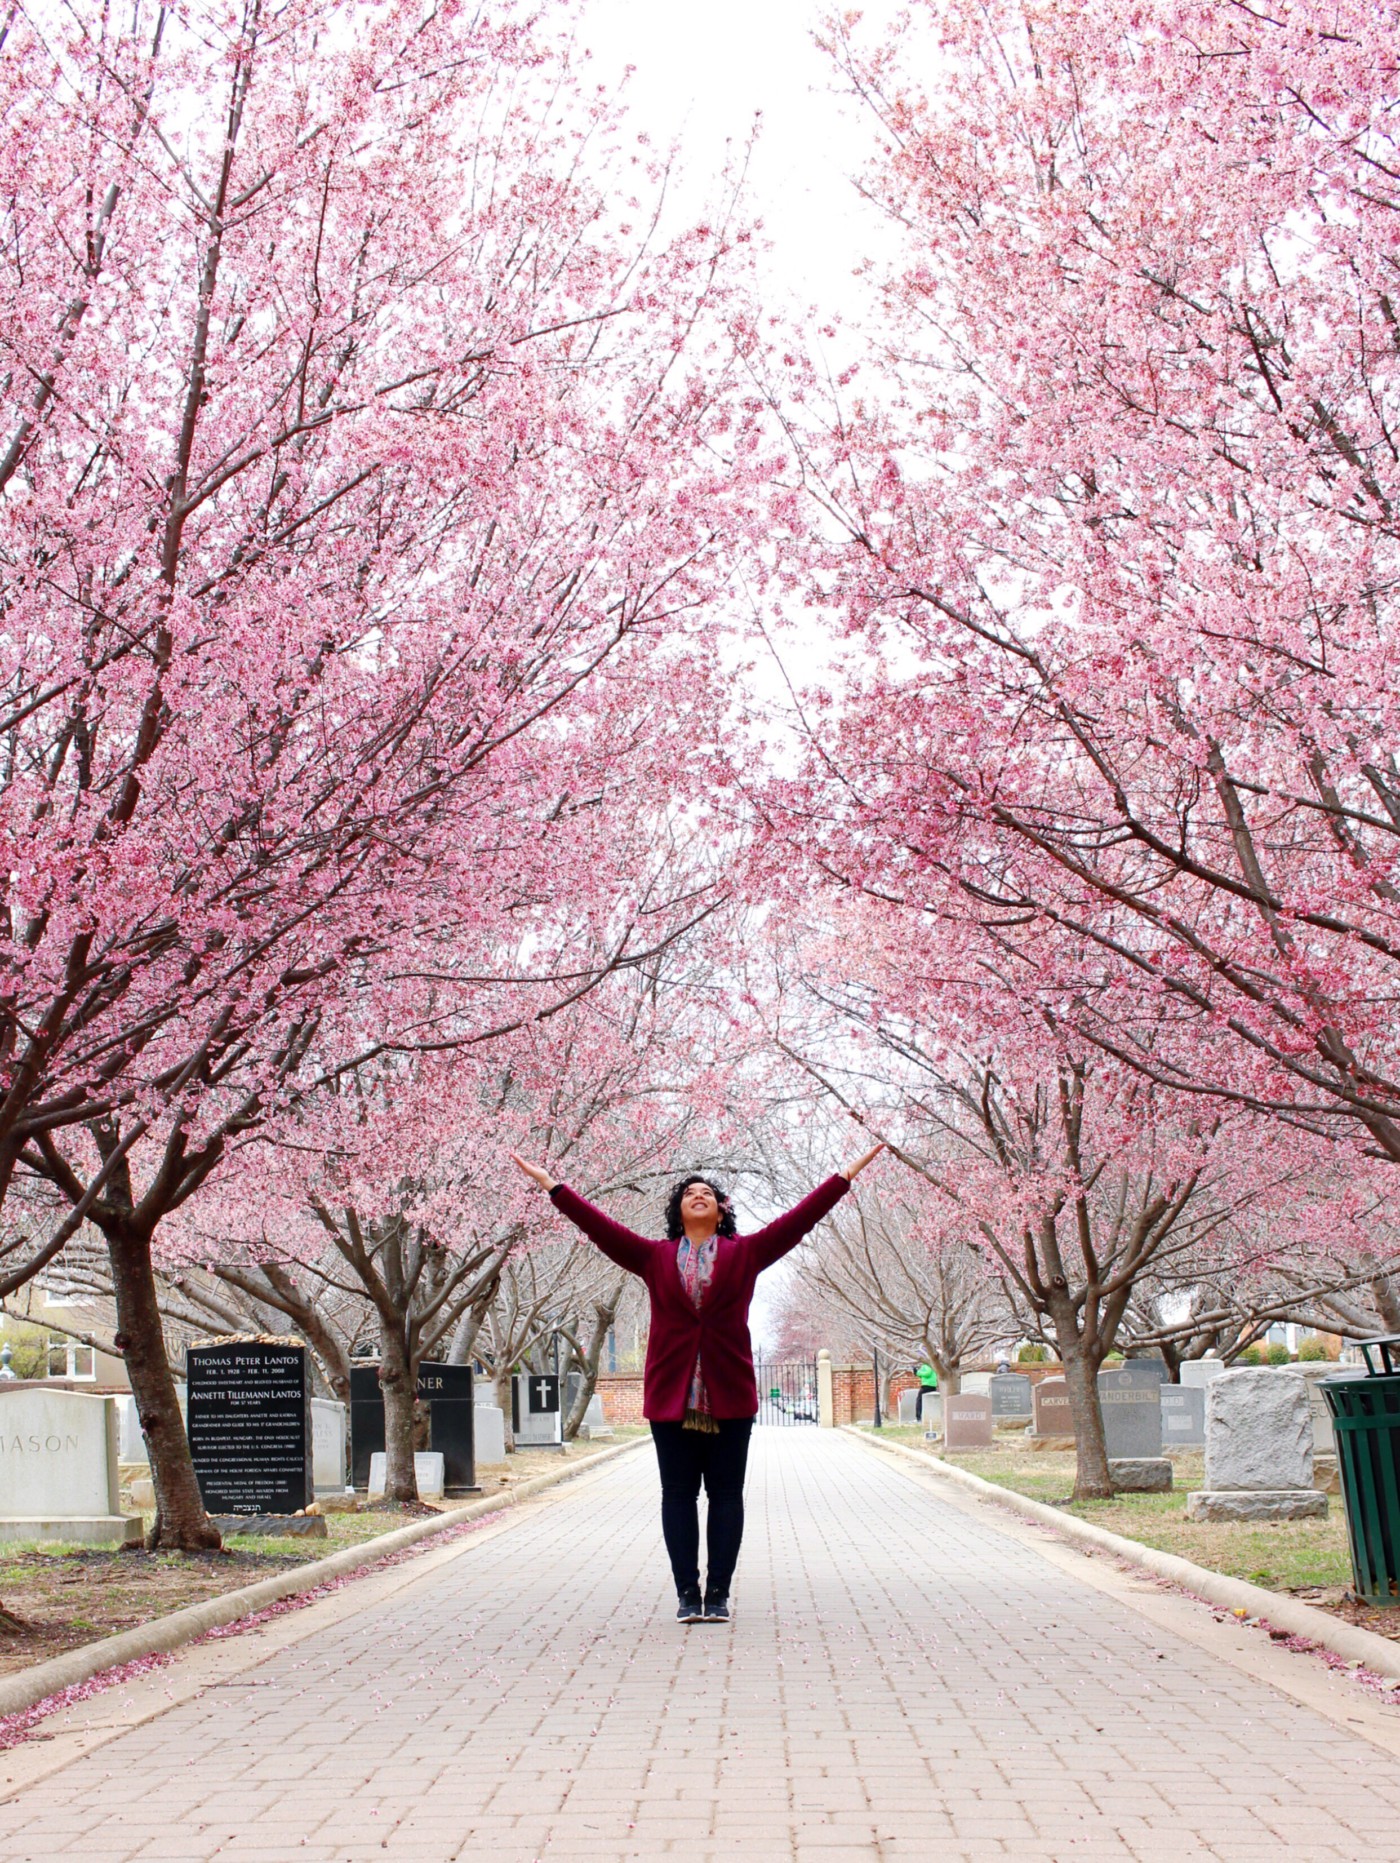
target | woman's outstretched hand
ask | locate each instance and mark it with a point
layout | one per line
(852, 1171)
(541, 1176)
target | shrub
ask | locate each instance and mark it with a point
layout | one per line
(1252, 1355)
(1032, 1355)
(1312, 1352)
(1280, 1355)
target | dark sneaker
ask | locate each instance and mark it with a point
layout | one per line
(716, 1610)
(689, 1609)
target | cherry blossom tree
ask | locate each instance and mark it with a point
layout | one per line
(1076, 1180)
(1117, 532)
(371, 462)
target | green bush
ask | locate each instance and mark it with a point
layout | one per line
(1313, 1352)
(28, 1349)
(1252, 1355)
(1032, 1355)
(1279, 1355)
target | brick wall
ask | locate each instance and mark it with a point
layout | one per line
(621, 1392)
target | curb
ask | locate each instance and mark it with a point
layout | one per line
(164, 1634)
(1378, 1654)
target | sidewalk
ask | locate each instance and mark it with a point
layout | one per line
(904, 1678)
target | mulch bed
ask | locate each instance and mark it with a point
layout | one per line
(64, 1599)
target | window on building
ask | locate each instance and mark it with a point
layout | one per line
(69, 1359)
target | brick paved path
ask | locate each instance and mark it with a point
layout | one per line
(903, 1679)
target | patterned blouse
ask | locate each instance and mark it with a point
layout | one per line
(695, 1262)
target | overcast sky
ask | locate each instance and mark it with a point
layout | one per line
(701, 76)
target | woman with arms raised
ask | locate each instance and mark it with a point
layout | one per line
(699, 1393)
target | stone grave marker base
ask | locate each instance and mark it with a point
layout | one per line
(271, 1526)
(81, 1530)
(1256, 1504)
(1049, 1442)
(1141, 1474)
(347, 1503)
(1326, 1475)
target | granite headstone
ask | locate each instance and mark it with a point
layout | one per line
(447, 1393)
(249, 1425)
(1183, 1416)
(967, 1421)
(1050, 1401)
(1258, 1432)
(1010, 1392)
(1130, 1399)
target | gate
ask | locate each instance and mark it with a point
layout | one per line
(787, 1390)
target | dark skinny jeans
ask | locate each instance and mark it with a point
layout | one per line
(686, 1458)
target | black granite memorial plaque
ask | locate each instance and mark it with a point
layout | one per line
(447, 1392)
(249, 1425)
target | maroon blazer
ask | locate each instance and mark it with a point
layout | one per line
(719, 1332)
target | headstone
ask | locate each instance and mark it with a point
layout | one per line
(1258, 1432)
(58, 1468)
(967, 1421)
(1198, 1372)
(131, 1443)
(933, 1413)
(594, 1421)
(1148, 1364)
(908, 1405)
(330, 1432)
(428, 1471)
(1259, 1456)
(249, 1425)
(537, 1421)
(1324, 1436)
(1050, 1407)
(1010, 1392)
(448, 1392)
(1183, 1416)
(977, 1383)
(1130, 1399)
(131, 1440)
(489, 1427)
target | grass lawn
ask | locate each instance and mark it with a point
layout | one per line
(66, 1596)
(1284, 1555)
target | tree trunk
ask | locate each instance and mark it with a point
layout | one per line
(501, 1383)
(181, 1524)
(604, 1313)
(1092, 1481)
(398, 1380)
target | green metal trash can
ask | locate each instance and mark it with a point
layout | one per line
(1366, 1419)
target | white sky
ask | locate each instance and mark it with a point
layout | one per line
(701, 74)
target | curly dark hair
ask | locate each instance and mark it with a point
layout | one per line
(675, 1228)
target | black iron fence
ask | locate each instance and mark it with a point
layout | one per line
(787, 1390)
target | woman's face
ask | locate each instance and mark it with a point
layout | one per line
(699, 1206)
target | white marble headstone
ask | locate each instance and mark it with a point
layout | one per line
(58, 1455)
(428, 1469)
(328, 1444)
